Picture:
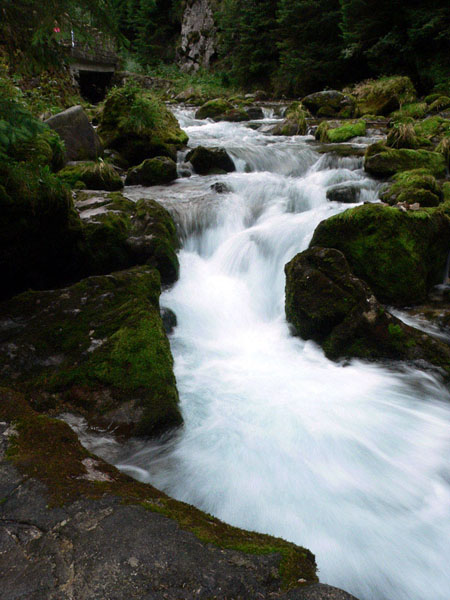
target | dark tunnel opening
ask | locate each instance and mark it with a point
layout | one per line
(94, 85)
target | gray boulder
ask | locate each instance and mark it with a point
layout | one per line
(330, 103)
(207, 161)
(348, 194)
(80, 138)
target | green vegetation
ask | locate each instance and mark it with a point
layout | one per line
(417, 185)
(153, 171)
(382, 161)
(346, 132)
(91, 175)
(400, 255)
(139, 126)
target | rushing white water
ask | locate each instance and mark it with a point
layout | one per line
(348, 460)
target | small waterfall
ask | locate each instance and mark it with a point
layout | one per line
(348, 460)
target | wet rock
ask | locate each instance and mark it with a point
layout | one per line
(207, 161)
(330, 103)
(220, 188)
(67, 535)
(294, 122)
(91, 175)
(222, 110)
(382, 161)
(97, 345)
(319, 591)
(153, 171)
(348, 194)
(413, 187)
(327, 303)
(400, 255)
(255, 113)
(169, 319)
(80, 138)
(155, 133)
(119, 233)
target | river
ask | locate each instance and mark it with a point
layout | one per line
(350, 460)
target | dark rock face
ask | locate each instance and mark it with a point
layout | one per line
(330, 103)
(99, 346)
(153, 171)
(401, 255)
(119, 234)
(80, 138)
(347, 194)
(74, 526)
(319, 591)
(327, 303)
(210, 160)
(255, 112)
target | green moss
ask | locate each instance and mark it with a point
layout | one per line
(139, 126)
(400, 255)
(214, 108)
(48, 450)
(322, 132)
(114, 349)
(346, 132)
(413, 186)
(414, 110)
(45, 149)
(95, 175)
(382, 161)
(153, 171)
(384, 95)
(432, 127)
(402, 135)
(439, 104)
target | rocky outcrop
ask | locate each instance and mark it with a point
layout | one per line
(98, 346)
(330, 103)
(382, 161)
(119, 234)
(139, 126)
(153, 171)
(74, 526)
(401, 255)
(327, 303)
(198, 36)
(222, 110)
(80, 138)
(92, 176)
(208, 161)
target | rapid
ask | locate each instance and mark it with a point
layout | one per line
(349, 460)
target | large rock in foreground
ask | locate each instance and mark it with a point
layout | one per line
(80, 138)
(75, 527)
(327, 303)
(99, 346)
(153, 171)
(401, 255)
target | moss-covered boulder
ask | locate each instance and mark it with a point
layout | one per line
(207, 161)
(139, 126)
(412, 187)
(80, 138)
(99, 346)
(330, 103)
(153, 171)
(294, 122)
(327, 303)
(401, 255)
(91, 175)
(346, 132)
(214, 108)
(40, 231)
(119, 233)
(51, 478)
(384, 95)
(432, 129)
(382, 161)
(402, 135)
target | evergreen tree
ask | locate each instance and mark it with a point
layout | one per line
(310, 45)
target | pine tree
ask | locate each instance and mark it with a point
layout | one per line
(310, 45)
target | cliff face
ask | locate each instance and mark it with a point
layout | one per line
(198, 36)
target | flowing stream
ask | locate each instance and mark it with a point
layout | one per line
(351, 461)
